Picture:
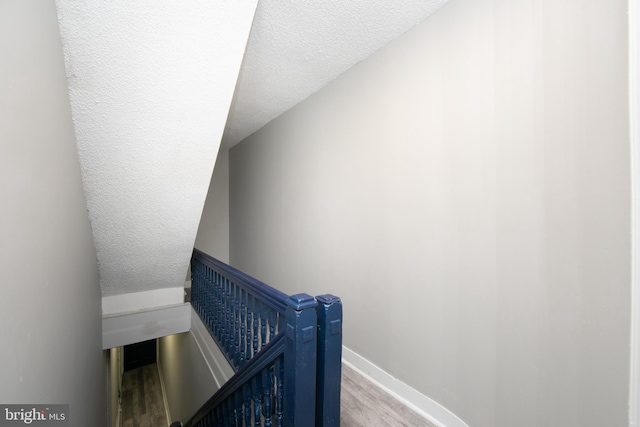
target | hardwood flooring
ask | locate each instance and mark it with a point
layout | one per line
(142, 401)
(362, 404)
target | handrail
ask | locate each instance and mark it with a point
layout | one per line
(286, 350)
(270, 295)
(268, 354)
(242, 313)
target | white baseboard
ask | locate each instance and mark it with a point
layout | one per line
(428, 408)
(164, 392)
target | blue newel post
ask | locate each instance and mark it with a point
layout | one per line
(329, 361)
(300, 361)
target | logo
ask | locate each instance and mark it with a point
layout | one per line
(37, 415)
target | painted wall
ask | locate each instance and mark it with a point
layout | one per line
(213, 231)
(465, 190)
(50, 320)
(185, 375)
(192, 368)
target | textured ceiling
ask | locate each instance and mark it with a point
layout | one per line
(297, 47)
(151, 85)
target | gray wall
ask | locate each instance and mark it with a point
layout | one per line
(50, 315)
(186, 376)
(213, 231)
(466, 192)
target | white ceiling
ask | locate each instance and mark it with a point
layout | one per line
(151, 86)
(297, 47)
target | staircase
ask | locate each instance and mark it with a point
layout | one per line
(285, 350)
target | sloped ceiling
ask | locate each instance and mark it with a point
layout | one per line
(150, 84)
(151, 87)
(297, 47)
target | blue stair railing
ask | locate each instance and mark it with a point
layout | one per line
(285, 350)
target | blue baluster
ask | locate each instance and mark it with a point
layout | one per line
(196, 285)
(200, 280)
(225, 413)
(236, 331)
(220, 312)
(237, 396)
(197, 278)
(194, 288)
(194, 293)
(248, 339)
(214, 323)
(232, 413)
(232, 325)
(202, 285)
(223, 314)
(242, 342)
(267, 386)
(204, 297)
(247, 404)
(272, 324)
(257, 394)
(263, 324)
(281, 322)
(217, 300)
(207, 283)
(215, 317)
(217, 418)
(204, 289)
(256, 330)
(211, 308)
(203, 292)
(279, 372)
(228, 323)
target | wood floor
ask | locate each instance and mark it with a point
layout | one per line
(142, 402)
(362, 403)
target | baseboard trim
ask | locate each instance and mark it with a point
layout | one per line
(164, 393)
(428, 408)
